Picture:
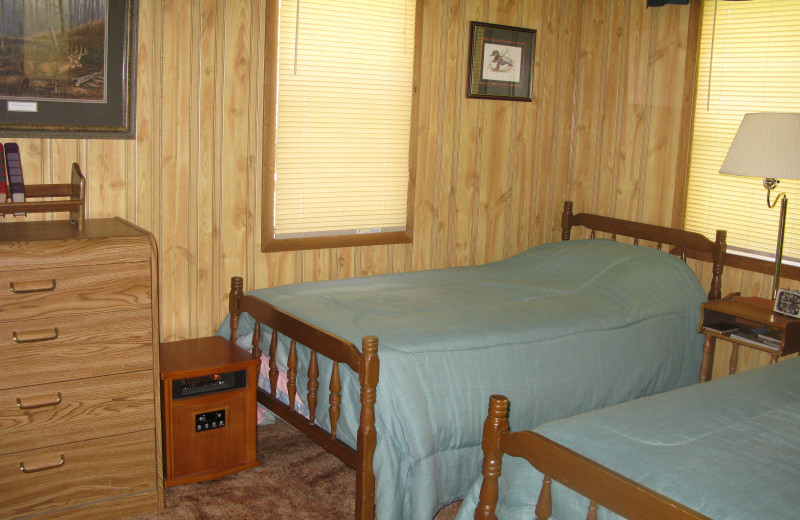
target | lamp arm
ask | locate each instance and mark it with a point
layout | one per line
(771, 184)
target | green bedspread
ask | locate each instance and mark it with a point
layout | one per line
(560, 329)
(729, 449)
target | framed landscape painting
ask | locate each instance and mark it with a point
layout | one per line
(500, 62)
(68, 68)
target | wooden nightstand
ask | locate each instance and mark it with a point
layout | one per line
(722, 319)
(208, 408)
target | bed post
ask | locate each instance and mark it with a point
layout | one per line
(715, 293)
(495, 425)
(237, 284)
(566, 220)
(367, 439)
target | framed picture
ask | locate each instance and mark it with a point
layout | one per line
(500, 62)
(68, 69)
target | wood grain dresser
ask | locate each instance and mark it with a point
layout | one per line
(79, 405)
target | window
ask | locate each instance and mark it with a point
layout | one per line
(339, 146)
(749, 61)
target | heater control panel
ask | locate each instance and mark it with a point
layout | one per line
(209, 420)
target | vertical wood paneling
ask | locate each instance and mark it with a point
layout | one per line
(206, 231)
(428, 135)
(667, 64)
(525, 131)
(588, 107)
(176, 159)
(634, 111)
(497, 146)
(549, 186)
(448, 96)
(466, 152)
(608, 140)
(145, 160)
(604, 130)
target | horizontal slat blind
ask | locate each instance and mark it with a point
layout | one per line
(343, 116)
(749, 61)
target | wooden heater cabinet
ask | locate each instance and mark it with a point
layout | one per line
(208, 389)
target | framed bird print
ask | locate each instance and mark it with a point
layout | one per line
(500, 62)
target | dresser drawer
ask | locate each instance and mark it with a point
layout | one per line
(72, 347)
(77, 473)
(46, 415)
(41, 293)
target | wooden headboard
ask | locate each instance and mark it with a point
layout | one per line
(682, 241)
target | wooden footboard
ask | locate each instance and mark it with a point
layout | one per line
(685, 243)
(320, 342)
(592, 480)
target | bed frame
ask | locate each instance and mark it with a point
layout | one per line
(556, 462)
(365, 361)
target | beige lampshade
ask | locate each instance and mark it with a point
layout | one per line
(766, 145)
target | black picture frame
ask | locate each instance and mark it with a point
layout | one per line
(501, 62)
(31, 102)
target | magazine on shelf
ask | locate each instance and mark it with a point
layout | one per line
(721, 327)
(769, 335)
(751, 335)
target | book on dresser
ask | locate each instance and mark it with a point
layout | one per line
(3, 184)
(80, 420)
(16, 184)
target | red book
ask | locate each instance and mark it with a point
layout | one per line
(3, 189)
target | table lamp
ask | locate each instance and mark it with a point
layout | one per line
(767, 145)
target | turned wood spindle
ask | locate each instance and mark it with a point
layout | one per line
(334, 398)
(313, 385)
(592, 514)
(273, 365)
(544, 506)
(494, 426)
(367, 437)
(256, 352)
(291, 374)
(237, 284)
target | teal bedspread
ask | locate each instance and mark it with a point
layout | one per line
(729, 449)
(560, 329)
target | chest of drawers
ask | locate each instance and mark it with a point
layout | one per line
(79, 404)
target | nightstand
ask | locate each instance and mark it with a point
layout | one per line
(731, 318)
(208, 409)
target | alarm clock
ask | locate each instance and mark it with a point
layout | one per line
(788, 302)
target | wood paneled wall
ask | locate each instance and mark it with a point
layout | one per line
(605, 129)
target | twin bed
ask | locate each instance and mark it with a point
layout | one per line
(727, 449)
(560, 329)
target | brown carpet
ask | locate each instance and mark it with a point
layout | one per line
(296, 480)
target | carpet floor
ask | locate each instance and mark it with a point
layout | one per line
(296, 480)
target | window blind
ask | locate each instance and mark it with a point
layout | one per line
(343, 122)
(749, 61)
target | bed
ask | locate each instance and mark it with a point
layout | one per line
(447, 337)
(726, 449)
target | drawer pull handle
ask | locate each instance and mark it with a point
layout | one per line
(35, 340)
(37, 289)
(58, 464)
(40, 405)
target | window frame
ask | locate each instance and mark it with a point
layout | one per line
(268, 241)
